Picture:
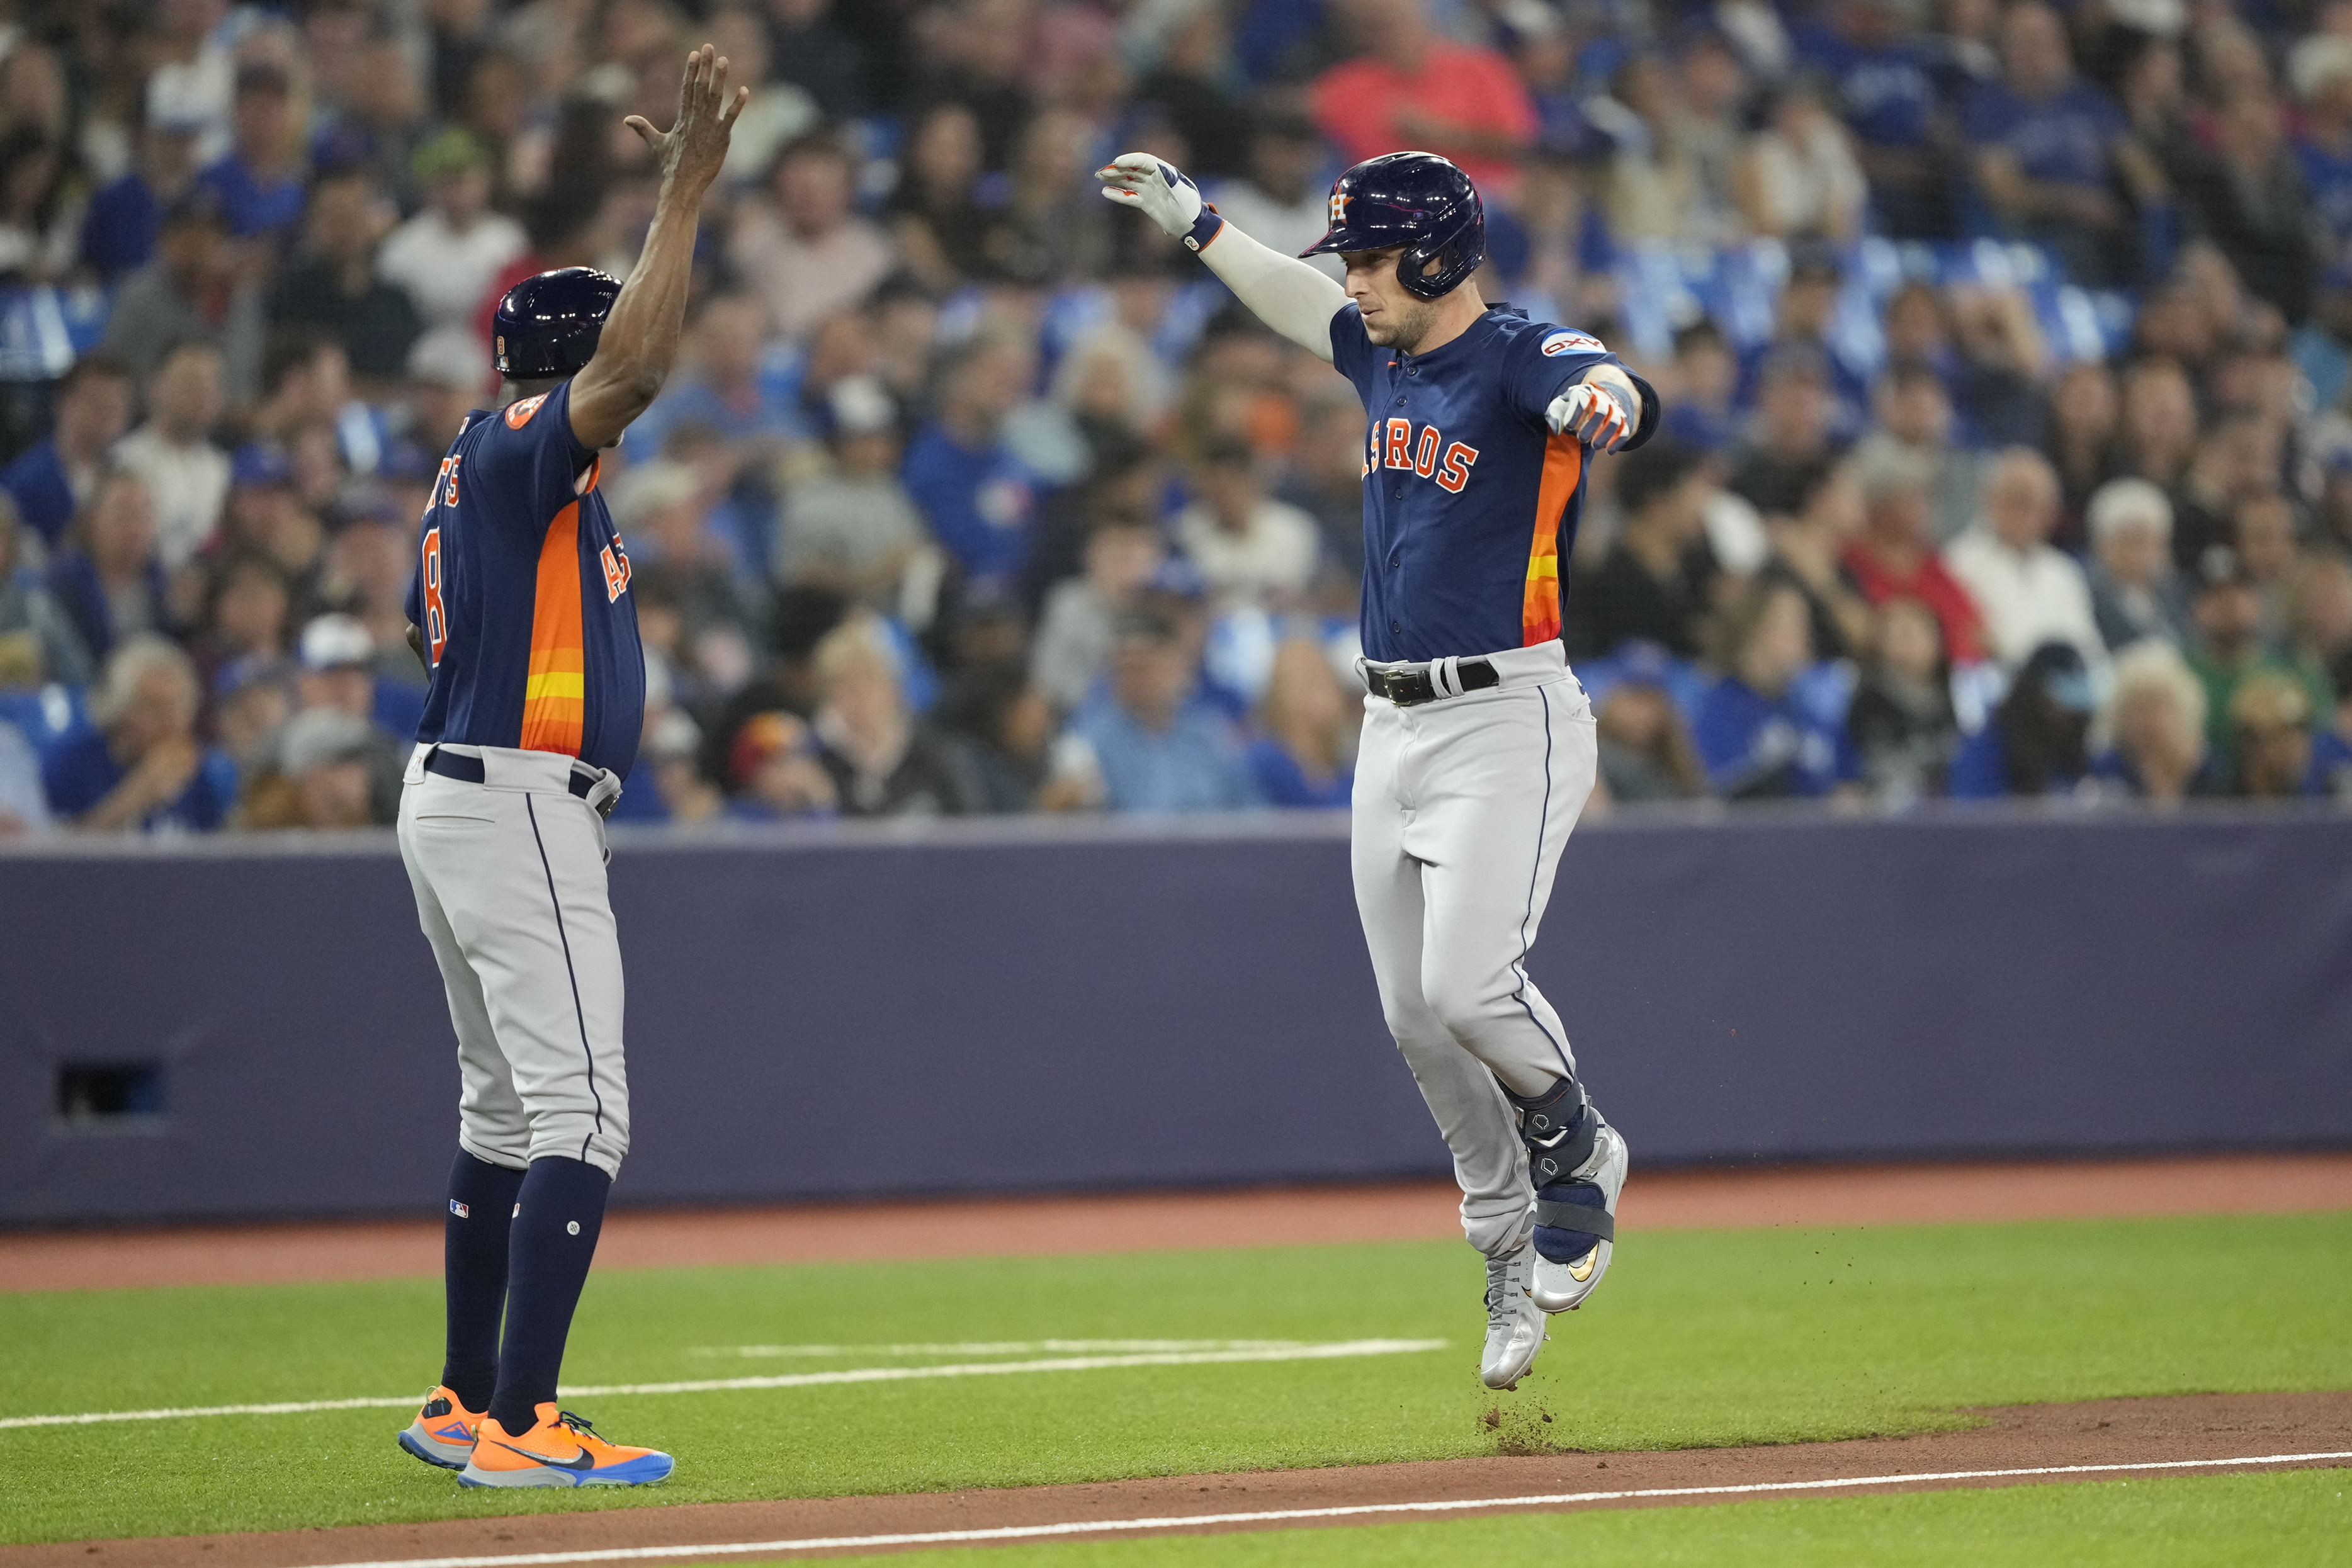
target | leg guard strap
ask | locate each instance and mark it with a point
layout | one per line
(1560, 1129)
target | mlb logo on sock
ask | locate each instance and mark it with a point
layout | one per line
(461, 1210)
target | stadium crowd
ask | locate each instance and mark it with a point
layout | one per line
(2004, 350)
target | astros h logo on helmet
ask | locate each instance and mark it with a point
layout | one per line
(1339, 209)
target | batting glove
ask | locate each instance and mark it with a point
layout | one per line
(1593, 414)
(1166, 195)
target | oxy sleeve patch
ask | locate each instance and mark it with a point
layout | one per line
(518, 412)
(1573, 343)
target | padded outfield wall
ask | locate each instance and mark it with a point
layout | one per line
(231, 1027)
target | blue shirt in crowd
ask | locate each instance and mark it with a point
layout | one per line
(979, 501)
(118, 231)
(1760, 748)
(1884, 95)
(250, 206)
(2062, 140)
(1283, 783)
(2329, 179)
(36, 482)
(1194, 765)
(80, 771)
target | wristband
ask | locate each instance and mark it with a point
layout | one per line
(1204, 229)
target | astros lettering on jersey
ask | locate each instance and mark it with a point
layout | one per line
(516, 518)
(1471, 500)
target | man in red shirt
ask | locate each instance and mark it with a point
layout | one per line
(1411, 88)
(1896, 556)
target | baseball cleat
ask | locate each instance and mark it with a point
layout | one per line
(442, 1432)
(1514, 1325)
(1562, 1282)
(562, 1451)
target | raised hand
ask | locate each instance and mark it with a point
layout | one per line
(691, 150)
(1164, 194)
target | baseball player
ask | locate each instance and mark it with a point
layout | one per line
(1479, 747)
(522, 614)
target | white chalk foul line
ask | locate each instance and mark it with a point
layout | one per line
(1288, 1515)
(991, 1347)
(1335, 1350)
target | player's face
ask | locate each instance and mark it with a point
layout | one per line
(1392, 317)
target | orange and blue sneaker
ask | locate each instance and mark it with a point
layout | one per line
(442, 1432)
(562, 1451)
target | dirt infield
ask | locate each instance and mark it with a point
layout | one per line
(1846, 1194)
(2196, 1435)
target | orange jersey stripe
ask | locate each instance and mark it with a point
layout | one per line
(1539, 612)
(555, 707)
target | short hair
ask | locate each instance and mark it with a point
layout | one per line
(130, 663)
(2119, 503)
(288, 349)
(2154, 664)
(99, 364)
(859, 639)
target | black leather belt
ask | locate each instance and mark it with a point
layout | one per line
(469, 770)
(1412, 684)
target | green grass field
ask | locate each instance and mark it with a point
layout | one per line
(1699, 1338)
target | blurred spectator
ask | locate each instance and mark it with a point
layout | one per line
(937, 225)
(2248, 197)
(2229, 647)
(1883, 92)
(335, 288)
(665, 509)
(2079, 441)
(2028, 592)
(979, 499)
(1005, 725)
(260, 183)
(119, 226)
(2319, 618)
(1249, 549)
(1653, 585)
(2320, 68)
(1646, 750)
(2037, 741)
(726, 391)
(2155, 717)
(40, 207)
(1791, 431)
(778, 110)
(449, 375)
(324, 778)
(1901, 723)
(446, 256)
(39, 641)
(2159, 430)
(1192, 68)
(1326, 480)
(800, 243)
(172, 451)
(884, 761)
(1049, 227)
(1305, 755)
(107, 578)
(1159, 746)
(2135, 592)
(1895, 558)
(251, 701)
(1279, 199)
(335, 661)
(2236, 460)
(54, 480)
(1412, 87)
(1075, 637)
(853, 529)
(813, 49)
(248, 611)
(2270, 731)
(195, 288)
(139, 764)
(1807, 554)
(2051, 150)
(1759, 737)
(1795, 176)
(1914, 413)
(1706, 373)
(776, 772)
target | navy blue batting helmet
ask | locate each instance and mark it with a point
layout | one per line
(548, 326)
(1418, 201)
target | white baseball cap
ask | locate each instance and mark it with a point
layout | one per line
(334, 640)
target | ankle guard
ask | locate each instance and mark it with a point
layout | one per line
(1562, 1128)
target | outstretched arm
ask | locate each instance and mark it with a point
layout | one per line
(1285, 293)
(639, 342)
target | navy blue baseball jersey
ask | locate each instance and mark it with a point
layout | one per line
(1471, 500)
(523, 593)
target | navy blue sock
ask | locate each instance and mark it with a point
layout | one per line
(561, 1208)
(474, 1271)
